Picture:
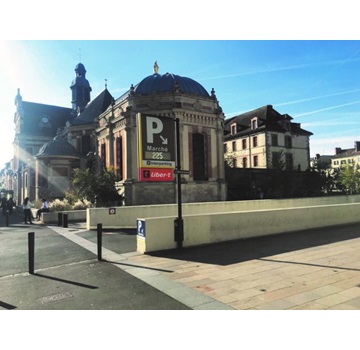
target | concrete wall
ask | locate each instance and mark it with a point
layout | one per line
(217, 227)
(125, 217)
(73, 216)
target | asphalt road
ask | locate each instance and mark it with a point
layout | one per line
(67, 276)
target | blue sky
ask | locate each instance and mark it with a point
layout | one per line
(287, 57)
(316, 82)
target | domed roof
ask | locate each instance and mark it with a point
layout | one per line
(158, 83)
(58, 147)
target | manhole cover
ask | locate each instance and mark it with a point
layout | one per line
(55, 297)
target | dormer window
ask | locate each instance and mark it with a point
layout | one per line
(286, 125)
(254, 123)
(233, 129)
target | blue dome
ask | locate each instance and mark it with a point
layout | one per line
(158, 83)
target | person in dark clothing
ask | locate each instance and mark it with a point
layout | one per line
(10, 205)
(3, 206)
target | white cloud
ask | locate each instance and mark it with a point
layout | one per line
(326, 123)
(327, 145)
(315, 98)
(326, 109)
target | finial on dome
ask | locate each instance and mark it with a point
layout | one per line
(132, 89)
(18, 98)
(156, 68)
(213, 94)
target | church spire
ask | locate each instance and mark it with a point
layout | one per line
(80, 89)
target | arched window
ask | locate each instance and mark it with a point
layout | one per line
(103, 154)
(119, 157)
(199, 157)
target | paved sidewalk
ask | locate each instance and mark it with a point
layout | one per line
(311, 270)
(152, 275)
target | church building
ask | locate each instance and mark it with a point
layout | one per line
(163, 126)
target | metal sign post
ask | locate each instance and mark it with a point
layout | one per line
(178, 223)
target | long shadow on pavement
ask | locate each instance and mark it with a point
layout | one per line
(7, 306)
(65, 281)
(237, 251)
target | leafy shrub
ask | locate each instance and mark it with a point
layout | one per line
(58, 205)
(66, 205)
(82, 204)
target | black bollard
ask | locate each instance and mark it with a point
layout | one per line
(65, 220)
(99, 241)
(59, 219)
(31, 246)
(179, 232)
(7, 218)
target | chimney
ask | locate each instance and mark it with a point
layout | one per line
(337, 150)
(357, 146)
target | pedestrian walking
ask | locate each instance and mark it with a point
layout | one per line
(27, 210)
(10, 205)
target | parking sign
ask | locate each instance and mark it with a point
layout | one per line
(156, 141)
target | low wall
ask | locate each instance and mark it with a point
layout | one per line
(217, 227)
(125, 217)
(73, 216)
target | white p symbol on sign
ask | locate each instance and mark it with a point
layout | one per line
(153, 126)
(140, 227)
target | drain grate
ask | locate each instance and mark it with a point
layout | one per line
(55, 297)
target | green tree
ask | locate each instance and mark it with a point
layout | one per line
(278, 160)
(230, 158)
(96, 187)
(349, 177)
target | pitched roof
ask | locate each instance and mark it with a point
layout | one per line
(94, 108)
(344, 153)
(33, 114)
(268, 119)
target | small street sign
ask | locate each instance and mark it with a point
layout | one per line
(182, 172)
(112, 211)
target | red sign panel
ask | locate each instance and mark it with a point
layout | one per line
(156, 174)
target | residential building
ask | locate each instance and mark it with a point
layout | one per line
(321, 161)
(265, 139)
(343, 157)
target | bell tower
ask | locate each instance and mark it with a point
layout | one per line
(81, 89)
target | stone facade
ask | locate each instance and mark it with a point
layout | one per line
(109, 129)
(200, 123)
